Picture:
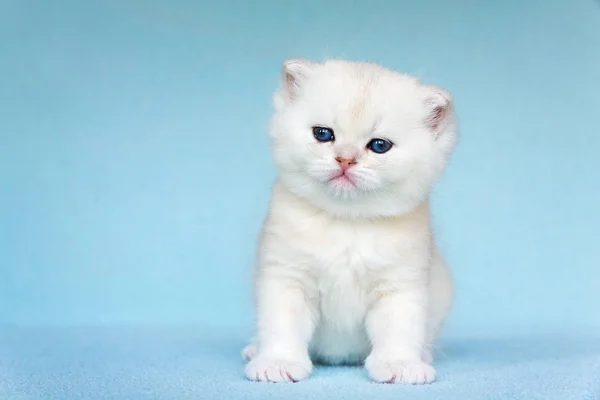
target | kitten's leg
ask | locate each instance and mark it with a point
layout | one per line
(397, 326)
(441, 293)
(285, 326)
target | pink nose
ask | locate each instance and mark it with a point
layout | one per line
(345, 163)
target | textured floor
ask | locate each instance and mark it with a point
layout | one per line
(192, 363)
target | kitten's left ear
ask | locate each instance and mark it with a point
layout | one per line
(294, 73)
(438, 104)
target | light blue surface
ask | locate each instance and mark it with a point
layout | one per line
(135, 170)
(196, 363)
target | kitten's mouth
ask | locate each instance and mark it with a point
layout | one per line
(343, 179)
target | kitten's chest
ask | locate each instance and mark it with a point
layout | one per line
(346, 265)
(346, 269)
(355, 248)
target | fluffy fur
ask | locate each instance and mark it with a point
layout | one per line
(348, 271)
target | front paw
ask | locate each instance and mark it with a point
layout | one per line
(399, 371)
(266, 369)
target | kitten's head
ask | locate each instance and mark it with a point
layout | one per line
(359, 140)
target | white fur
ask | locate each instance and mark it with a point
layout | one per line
(349, 273)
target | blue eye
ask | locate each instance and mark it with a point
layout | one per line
(379, 146)
(323, 134)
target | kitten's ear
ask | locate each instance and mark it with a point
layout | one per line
(438, 104)
(294, 73)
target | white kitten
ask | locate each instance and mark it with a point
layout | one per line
(348, 271)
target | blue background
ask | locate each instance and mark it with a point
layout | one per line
(135, 174)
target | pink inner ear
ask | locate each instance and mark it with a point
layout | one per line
(437, 116)
(289, 80)
(291, 83)
(438, 104)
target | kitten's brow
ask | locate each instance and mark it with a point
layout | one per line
(376, 125)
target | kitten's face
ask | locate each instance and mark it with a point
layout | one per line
(358, 140)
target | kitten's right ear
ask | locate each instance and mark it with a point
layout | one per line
(438, 103)
(294, 74)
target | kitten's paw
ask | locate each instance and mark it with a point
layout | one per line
(249, 351)
(262, 369)
(411, 372)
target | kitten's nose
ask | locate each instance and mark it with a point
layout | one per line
(345, 163)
